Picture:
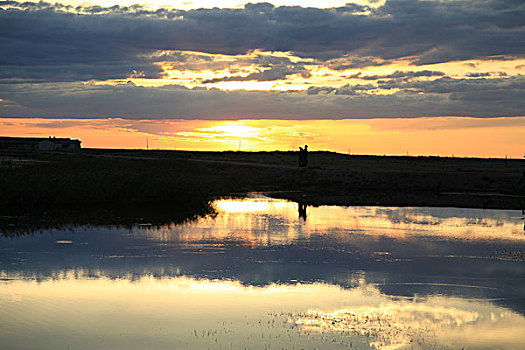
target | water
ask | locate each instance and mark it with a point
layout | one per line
(262, 274)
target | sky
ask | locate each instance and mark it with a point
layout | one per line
(423, 77)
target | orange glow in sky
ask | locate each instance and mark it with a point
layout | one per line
(446, 136)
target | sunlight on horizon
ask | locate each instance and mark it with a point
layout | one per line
(502, 137)
(233, 129)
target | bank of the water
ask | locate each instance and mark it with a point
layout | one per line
(109, 179)
(478, 200)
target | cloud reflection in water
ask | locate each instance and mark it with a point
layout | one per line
(196, 313)
(257, 275)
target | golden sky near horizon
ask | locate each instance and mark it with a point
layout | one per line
(468, 137)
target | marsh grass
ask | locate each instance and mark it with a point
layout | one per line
(37, 222)
(183, 181)
(66, 182)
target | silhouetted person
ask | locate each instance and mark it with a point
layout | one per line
(301, 156)
(302, 211)
(305, 157)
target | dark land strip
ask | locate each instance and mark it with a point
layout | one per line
(387, 181)
(110, 179)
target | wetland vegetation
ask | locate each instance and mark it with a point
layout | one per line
(134, 180)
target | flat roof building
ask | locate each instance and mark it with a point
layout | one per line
(39, 144)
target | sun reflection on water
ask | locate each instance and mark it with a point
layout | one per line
(259, 220)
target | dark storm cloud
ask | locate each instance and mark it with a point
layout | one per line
(49, 42)
(447, 85)
(505, 94)
(478, 97)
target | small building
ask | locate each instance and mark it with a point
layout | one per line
(39, 144)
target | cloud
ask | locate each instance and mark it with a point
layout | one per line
(447, 84)
(354, 89)
(403, 75)
(347, 61)
(49, 49)
(478, 75)
(275, 72)
(442, 97)
(45, 42)
(505, 93)
(315, 90)
(448, 123)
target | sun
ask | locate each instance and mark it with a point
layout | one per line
(234, 130)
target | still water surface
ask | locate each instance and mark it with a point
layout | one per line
(267, 274)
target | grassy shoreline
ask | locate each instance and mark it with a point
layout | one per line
(97, 179)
